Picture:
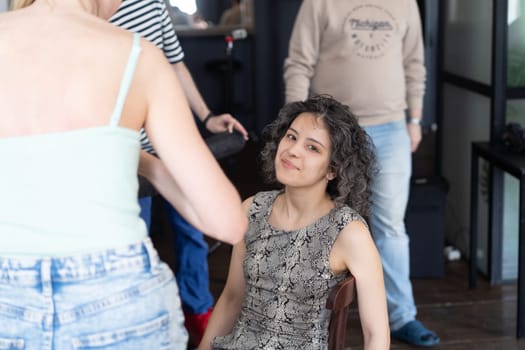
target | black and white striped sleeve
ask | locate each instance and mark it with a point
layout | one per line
(150, 19)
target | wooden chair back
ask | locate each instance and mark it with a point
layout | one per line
(339, 300)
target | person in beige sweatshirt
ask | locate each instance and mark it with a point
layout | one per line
(369, 55)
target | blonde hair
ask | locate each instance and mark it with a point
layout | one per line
(18, 4)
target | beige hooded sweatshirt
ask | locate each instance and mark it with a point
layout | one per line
(368, 54)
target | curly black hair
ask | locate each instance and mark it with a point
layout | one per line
(352, 158)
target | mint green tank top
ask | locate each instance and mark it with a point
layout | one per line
(72, 192)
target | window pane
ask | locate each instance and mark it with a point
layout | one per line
(468, 43)
(516, 112)
(511, 190)
(186, 6)
(516, 43)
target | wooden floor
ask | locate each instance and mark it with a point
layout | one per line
(475, 319)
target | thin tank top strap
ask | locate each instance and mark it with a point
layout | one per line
(126, 81)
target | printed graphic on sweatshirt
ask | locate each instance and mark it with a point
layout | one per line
(370, 29)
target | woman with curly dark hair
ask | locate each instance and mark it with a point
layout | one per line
(352, 159)
(304, 238)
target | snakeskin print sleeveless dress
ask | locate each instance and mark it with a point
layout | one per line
(288, 279)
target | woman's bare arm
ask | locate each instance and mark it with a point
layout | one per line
(355, 250)
(212, 200)
(228, 307)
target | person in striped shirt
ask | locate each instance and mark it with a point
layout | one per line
(151, 19)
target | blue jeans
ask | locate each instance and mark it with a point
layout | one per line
(145, 210)
(117, 299)
(191, 259)
(390, 191)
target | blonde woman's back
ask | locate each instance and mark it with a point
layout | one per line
(67, 160)
(61, 70)
(72, 244)
(71, 240)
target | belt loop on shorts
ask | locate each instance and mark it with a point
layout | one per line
(45, 277)
(153, 257)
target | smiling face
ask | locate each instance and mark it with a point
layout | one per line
(303, 154)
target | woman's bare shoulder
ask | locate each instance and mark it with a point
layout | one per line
(247, 203)
(353, 232)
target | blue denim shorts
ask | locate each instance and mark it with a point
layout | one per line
(117, 299)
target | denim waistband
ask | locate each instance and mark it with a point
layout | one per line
(29, 271)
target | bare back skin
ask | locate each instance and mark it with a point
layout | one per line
(44, 55)
(61, 69)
